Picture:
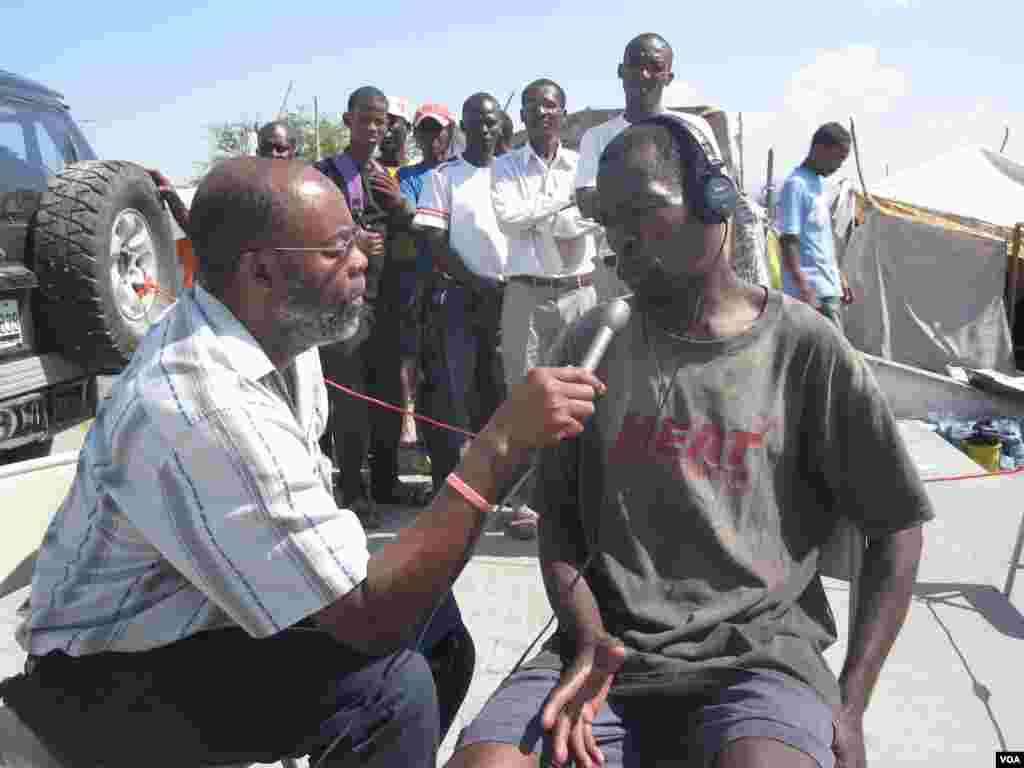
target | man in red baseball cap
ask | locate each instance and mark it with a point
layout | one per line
(432, 129)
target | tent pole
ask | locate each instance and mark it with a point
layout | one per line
(856, 156)
(1011, 276)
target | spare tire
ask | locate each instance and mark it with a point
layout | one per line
(102, 249)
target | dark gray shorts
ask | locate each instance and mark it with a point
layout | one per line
(634, 731)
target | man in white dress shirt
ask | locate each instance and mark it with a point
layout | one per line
(550, 271)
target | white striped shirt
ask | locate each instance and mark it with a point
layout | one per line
(201, 499)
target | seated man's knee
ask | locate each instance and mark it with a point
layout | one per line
(409, 686)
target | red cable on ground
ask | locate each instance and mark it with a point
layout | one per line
(1000, 473)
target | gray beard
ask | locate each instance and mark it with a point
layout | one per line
(304, 323)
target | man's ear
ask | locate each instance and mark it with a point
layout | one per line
(619, 71)
(256, 269)
(671, 77)
(347, 120)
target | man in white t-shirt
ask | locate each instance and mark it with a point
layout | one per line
(463, 381)
(645, 71)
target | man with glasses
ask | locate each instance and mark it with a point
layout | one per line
(551, 248)
(200, 599)
(645, 72)
(462, 372)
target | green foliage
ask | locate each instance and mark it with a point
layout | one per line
(334, 135)
(228, 139)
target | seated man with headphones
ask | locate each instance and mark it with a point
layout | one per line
(680, 532)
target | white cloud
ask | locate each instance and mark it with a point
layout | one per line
(843, 82)
(977, 113)
(679, 94)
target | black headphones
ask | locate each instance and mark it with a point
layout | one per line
(711, 194)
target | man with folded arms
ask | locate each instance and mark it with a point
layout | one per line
(551, 248)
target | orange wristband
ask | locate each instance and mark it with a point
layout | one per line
(474, 499)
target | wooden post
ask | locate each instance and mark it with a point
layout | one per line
(316, 127)
(1012, 270)
(856, 156)
(740, 142)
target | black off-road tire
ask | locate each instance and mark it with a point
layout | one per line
(82, 310)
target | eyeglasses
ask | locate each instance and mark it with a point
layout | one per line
(347, 238)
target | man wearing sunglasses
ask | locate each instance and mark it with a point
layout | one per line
(199, 566)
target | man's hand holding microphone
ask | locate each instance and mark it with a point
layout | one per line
(406, 579)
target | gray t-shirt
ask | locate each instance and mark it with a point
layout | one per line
(706, 484)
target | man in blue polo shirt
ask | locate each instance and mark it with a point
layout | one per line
(432, 127)
(809, 269)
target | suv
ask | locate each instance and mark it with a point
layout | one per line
(87, 264)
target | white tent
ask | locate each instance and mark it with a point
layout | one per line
(929, 263)
(969, 181)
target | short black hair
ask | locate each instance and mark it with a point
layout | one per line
(363, 96)
(831, 134)
(647, 37)
(542, 83)
(268, 128)
(476, 102)
(668, 162)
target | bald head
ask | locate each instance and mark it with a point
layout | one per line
(648, 42)
(253, 203)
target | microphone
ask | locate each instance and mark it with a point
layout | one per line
(614, 318)
(616, 315)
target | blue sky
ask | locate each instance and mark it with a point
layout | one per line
(919, 76)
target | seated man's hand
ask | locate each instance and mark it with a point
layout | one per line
(550, 405)
(577, 699)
